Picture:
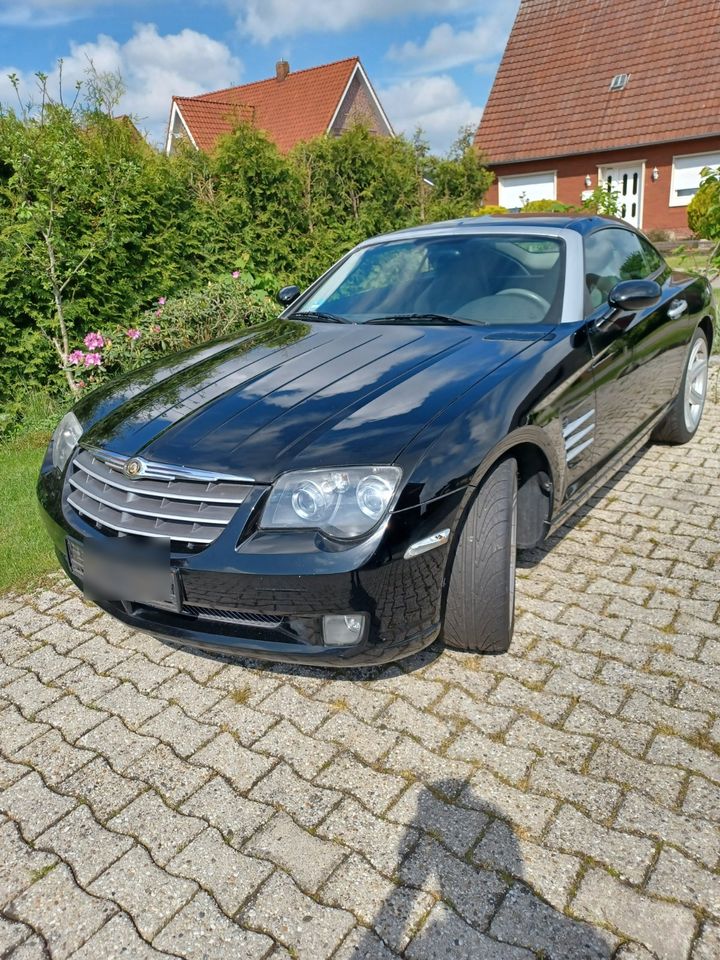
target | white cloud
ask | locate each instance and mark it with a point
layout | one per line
(437, 104)
(265, 20)
(153, 69)
(47, 13)
(446, 47)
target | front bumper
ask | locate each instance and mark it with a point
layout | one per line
(264, 594)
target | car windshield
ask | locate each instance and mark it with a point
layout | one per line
(475, 279)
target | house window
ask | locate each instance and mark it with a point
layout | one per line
(686, 176)
(516, 191)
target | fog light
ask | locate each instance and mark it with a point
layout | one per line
(343, 631)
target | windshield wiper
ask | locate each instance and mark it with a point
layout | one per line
(320, 316)
(442, 318)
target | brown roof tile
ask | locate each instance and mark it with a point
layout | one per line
(297, 108)
(551, 95)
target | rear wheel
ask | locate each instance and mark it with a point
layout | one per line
(683, 418)
(480, 606)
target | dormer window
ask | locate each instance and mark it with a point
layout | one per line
(619, 81)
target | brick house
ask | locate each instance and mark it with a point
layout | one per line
(619, 92)
(289, 107)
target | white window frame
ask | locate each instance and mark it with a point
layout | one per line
(523, 176)
(674, 200)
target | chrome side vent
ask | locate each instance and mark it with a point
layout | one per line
(578, 435)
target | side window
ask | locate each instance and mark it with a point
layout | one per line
(612, 255)
(652, 258)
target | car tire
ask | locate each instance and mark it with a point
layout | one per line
(480, 600)
(683, 418)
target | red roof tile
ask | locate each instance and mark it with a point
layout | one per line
(297, 108)
(551, 95)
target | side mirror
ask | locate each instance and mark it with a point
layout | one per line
(633, 295)
(288, 295)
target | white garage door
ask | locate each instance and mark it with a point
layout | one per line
(517, 191)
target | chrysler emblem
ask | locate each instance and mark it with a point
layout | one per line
(133, 468)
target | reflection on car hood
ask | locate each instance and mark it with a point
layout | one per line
(291, 394)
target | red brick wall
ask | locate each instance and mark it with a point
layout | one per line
(358, 106)
(657, 214)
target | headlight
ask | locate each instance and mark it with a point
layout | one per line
(65, 438)
(344, 503)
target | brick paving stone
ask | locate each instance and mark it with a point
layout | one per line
(343, 695)
(30, 695)
(171, 776)
(444, 927)
(528, 811)
(306, 755)
(383, 843)
(11, 936)
(194, 698)
(444, 774)
(394, 912)
(286, 702)
(707, 945)
(308, 859)
(26, 621)
(63, 636)
(456, 826)
(118, 940)
(16, 731)
(141, 671)
(53, 758)
(702, 799)
(230, 877)
(87, 685)
(456, 671)
(526, 921)
(201, 667)
(117, 744)
(179, 731)
(32, 805)
(360, 944)
(680, 753)
(625, 853)
(20, 864)
(661, 783)
(148, 894)
(133, 708)
(79, 840)
(201, 930)
(10, 772)
(473, 892)
(306, 803)
(674, 877)
(488, 718)
(659, 688)
(76, 611)
(548, 707)
(666, 929)
(310, 931)
(597, 797)
(569, 749)
(242, 767)
(236, 817)
(628, 735)
(245, 723)
(368, 742)
(420, 691)
(101, 788)
(551, 874)
(642, 815)
(71, 717)
(156, 826)
(375, 790)
(47, 663)
(431, 731)
(64, 915)
(100, 654)
(598, 695)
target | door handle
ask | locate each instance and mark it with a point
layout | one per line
(676, 309)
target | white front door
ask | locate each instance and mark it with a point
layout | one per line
(627, 183)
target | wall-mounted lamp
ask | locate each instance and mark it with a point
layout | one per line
(588, 180)
(655, 175)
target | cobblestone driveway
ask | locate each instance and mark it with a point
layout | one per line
(156, 802)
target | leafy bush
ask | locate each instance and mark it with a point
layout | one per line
(489, 210)
(704, 210)
(547, 206)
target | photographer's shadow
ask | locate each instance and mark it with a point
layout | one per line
(484, 901)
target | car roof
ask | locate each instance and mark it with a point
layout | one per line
(582, 223)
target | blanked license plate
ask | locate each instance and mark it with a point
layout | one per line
(125, 572)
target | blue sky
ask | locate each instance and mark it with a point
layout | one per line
(431, 61)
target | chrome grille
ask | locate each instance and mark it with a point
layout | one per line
(162, 501)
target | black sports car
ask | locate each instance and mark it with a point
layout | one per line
(343, 484)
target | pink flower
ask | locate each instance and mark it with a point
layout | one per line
(94, 341)
(80, 383)
(156, 328)
(133, 333)
(158, 313)
(93, 359)
(75, 358)
(235, 274)
(162, 301)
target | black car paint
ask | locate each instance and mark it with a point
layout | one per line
(443, 403)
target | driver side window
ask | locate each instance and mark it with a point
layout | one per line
(612, 255)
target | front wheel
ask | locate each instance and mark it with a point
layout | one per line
(480, 605)
(683, 417)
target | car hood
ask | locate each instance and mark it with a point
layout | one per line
(289, 395)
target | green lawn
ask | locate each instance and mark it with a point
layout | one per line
(25, 551)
